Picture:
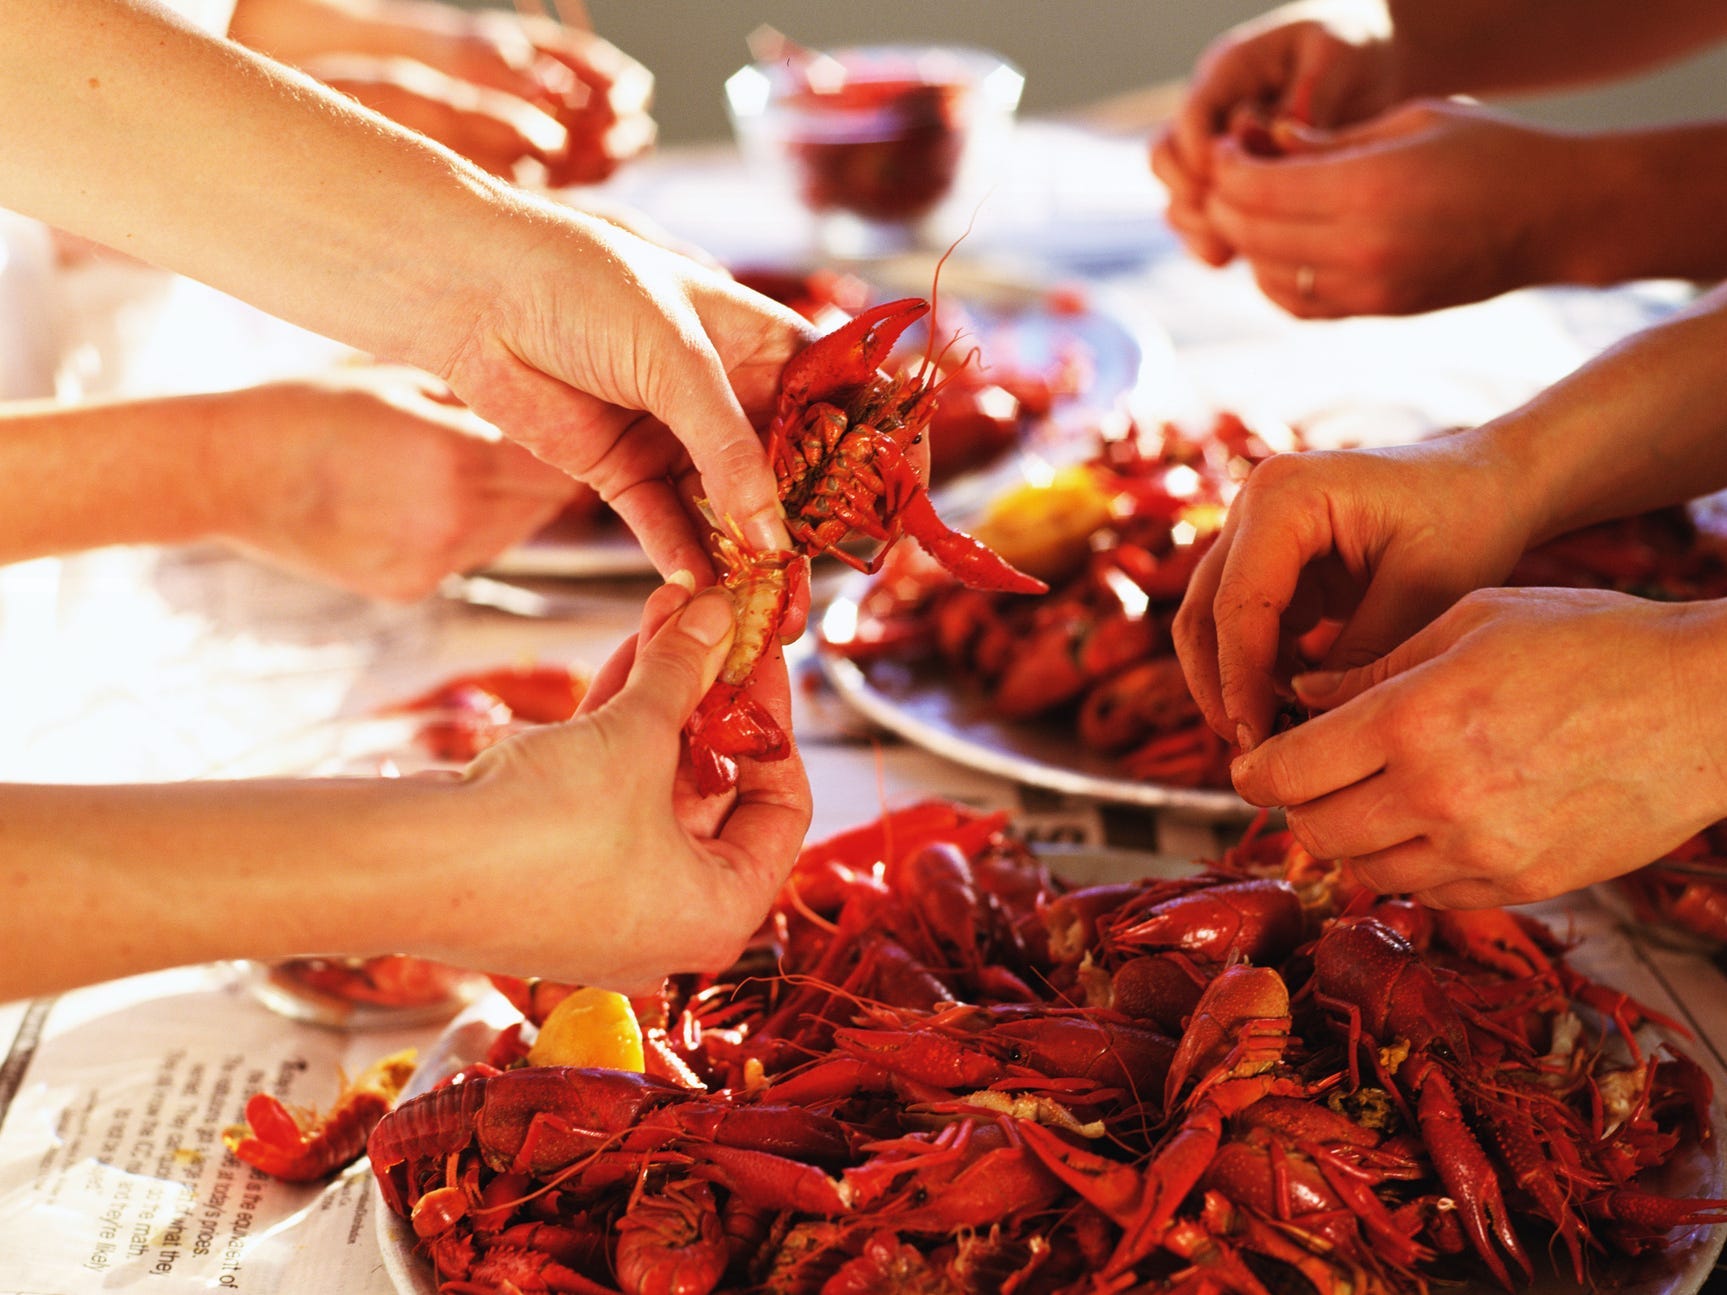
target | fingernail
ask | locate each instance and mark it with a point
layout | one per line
(708, 617)
(684, 579)
(766, 531)
(1244, 738)
(1317, 683)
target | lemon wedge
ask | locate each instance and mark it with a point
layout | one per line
(1046, 529)
(592, 1027)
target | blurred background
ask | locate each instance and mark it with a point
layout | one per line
(1073, 55)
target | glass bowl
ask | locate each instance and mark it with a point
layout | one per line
(384, 991)
(889, 147)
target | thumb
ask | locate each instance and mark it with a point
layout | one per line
(1393, 608)
(1401, 121)
(675, 668)
(1329, 689)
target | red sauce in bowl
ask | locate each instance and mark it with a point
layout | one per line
(886, 149)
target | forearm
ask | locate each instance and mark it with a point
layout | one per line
(108, 881)
(1643, 204)
(134, 472)
(1489, 47)
(1641, 426)
(213, 161)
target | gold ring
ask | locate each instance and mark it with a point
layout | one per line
(1304, 283)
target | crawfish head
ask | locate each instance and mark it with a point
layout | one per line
(1363, 965)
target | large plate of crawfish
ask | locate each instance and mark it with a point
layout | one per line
(1078, 689)
(952, 1064)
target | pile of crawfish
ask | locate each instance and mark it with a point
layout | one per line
(939, 1069)
(1094, 655)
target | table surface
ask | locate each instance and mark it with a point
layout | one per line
(183, 663)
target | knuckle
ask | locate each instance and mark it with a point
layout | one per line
(1309, 835)
(1375, 876)
(1520, 888)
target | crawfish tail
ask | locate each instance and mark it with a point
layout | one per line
(969, 560)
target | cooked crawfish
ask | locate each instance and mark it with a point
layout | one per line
(300, 1145)
(470, 712)
(840, 441)
(1118, 537)
(729, 724)
(1354, 1094)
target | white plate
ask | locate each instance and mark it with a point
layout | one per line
(608, 550)
(1681, 1269)
(922, 706)
(1013, 324)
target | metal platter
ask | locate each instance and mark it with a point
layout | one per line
(927, 708)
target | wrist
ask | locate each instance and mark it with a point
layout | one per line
(532, 241)
(212, 490)
(1593, 234)
(378, 847)
(1566, 205)
(466, 289)
(1700, 688)
(1515, 479)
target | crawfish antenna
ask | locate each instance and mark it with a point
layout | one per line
(935, 287)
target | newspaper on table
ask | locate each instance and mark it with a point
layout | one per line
(113, 1174)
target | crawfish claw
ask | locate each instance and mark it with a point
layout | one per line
(849, 355)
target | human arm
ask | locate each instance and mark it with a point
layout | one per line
(596, 95)
(1385, 540)
(1437, 203)
(578, 340)
(106, 881)
(1331, 63)
(371, 479)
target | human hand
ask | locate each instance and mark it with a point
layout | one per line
(636, 382)
(634, 875)
(1434, 204)
(600, 96)
(373, 479)
(1528, 742)
(596, 92)
(1320, 62)
(1370, 544)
